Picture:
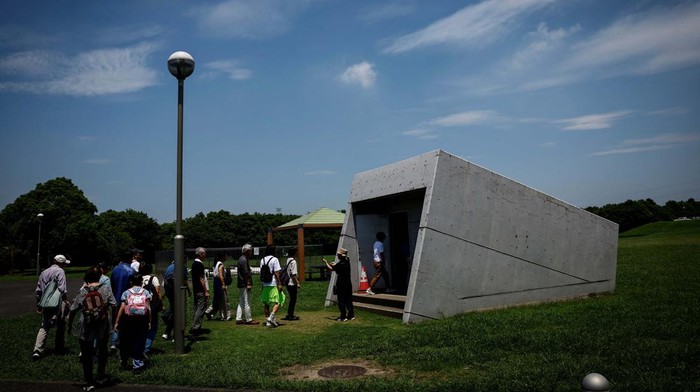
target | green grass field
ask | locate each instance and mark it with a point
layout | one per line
(644, 337)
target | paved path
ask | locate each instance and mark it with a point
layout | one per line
(31, 386)
(17, 297)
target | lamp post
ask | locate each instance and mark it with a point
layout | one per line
(180, 65)
(39, 216)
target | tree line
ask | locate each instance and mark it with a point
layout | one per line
(72, 226)
(634, 213)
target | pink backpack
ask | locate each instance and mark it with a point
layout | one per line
(136, 302)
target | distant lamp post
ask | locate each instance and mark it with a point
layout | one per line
(39, 217)
(180, 65)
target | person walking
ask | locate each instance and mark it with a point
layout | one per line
(343, 285)
(169, 284)
(244, 283)
(220, 300)
(152, 284)
(379, 263)
(93, 301)
(137, 259)
(52, 277)
(200, 290)
(272, 294)
(133, 322)
(293, 286)
(120, 283)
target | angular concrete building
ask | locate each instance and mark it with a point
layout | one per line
(462, 238)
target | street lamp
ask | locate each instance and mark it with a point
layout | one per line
(39, 216)
(180, 65)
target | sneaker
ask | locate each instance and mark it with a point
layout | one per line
(270, 325)
(112, 349)
(89, 388)
(36, 355)
(370, 292)
(240, 322)
(340, 319)
(272, 320)
(165, 336)
(349, 319)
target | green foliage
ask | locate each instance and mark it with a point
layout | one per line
(634, 213)
(68, 225)
(642, 338)
(122, 230)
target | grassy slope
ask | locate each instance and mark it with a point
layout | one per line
(643, 338)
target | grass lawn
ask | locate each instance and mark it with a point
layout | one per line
(642, 338)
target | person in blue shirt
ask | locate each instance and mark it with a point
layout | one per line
(120, 283)
(169, 284)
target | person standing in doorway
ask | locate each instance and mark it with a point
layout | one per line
(379, 263)
(245, 286)
(343, 285)
(200, 290)
(55, 315)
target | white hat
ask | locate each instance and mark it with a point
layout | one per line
(61, 259)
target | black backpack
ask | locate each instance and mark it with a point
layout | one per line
(284, 275)
(156, 302)
(94, 307)
(265, 273)
(228, 279)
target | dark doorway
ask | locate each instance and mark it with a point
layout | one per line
(400, 252)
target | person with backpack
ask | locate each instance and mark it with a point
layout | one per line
(289, 279)
(133, 322)
(272, 293)
(152, 284)
(93, 302)
(52, 283)
(220, 301)
(120, 283)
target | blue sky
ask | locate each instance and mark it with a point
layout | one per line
(589, 101)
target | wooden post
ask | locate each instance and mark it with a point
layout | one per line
(269, 236)
(300, 253)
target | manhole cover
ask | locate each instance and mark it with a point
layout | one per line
(342, 371)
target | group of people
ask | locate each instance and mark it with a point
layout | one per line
(120, 312)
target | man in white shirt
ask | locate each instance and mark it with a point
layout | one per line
(379, 263)
(272, 294)
(137, 256)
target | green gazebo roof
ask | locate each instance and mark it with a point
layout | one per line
(323, 217)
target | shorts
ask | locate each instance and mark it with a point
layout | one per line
(272, 295)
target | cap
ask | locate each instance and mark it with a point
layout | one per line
(61, 259)
(342, 251)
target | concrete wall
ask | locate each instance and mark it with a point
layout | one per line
(486, 241)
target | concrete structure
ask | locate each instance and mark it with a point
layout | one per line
(462, 238)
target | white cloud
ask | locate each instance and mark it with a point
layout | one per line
(424, 134)
(320, 173)
(386, 11)
(466, 118)
(542, 42)
(362, 73)
(592, 121)
(231, 69)
(248, 19)
(474, 25)
(656, 41)
(97, 72)
(661, 142)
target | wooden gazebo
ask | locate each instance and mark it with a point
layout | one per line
(323, 218)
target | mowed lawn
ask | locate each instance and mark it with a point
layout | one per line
(644, 337)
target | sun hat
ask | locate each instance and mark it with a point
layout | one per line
(342, 251)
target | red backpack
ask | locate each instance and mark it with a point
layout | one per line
(94, 306)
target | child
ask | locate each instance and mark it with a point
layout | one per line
(133, 322)
(93, 328)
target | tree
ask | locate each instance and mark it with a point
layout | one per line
(68, 226)
(119, 231)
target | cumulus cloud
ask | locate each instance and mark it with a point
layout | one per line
(362, 74)
(474, 25)
(96, 72)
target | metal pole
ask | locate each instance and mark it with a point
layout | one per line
(180, 284)
(38, 249)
